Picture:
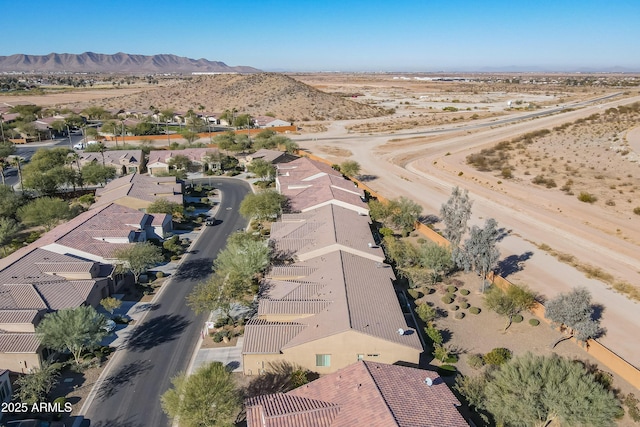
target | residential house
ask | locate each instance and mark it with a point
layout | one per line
(364, 394)
(270, 156)
(309, 184)
(202, 159)
(124, 161)
(33, 282)
(320, 231)
(326, 313)
(265, 122)
(99, 232)
(139, 191)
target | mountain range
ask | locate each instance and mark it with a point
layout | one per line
(90, 62)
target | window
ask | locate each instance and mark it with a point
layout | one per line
(323, 360)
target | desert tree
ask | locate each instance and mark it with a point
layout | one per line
(264, 206)
(93, 173)
(510, 302)
(180, 162)
(10, 201)
(241, 261)
(138, 258)
(7, 149)
(436, 259)
(164, 206)
(350, 168)
(9, 228)
(207, 398)
(212, 295)
(73, 329)
(404, 213)
(110, 304)
(455, 214)
(533, 390)
(574, 312)
(35, 386)
(262, 169)
(44, 211)
(479, 251)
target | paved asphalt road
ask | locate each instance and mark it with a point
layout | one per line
(162, 345)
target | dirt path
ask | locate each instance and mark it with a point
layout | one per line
(425, 170)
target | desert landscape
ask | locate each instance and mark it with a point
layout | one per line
(525, 146)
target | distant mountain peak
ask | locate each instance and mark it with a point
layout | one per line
(91, 62)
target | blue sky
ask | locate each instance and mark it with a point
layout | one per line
(329, 35)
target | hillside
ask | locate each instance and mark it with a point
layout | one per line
(256, 94)
(90, 62)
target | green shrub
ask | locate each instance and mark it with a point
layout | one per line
(415, 294)
(446, 370)
(426, 312)
(465, 291)
(459, 315)
(434, 335)
(452, 289)
(454, 308)
(636, 210)
(447, 300)
(517, 318)
(475, 361)
(159, 274)
(534, 322)
(587, 197)
(217, 337)
(465, 305)
(451, 359)
(474, 310)
(450, 295)
(386, 231)
(497, 356)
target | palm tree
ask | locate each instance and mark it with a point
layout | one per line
(17, 162)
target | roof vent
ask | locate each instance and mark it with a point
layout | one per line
(400, 331)
(428, 381)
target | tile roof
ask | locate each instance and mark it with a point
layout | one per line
(350, 293)
(284, 410)
(116, 158)
(19, 343)
(18, 316)
(279, 333)
(363, 394)
(142, 187)
(328, 227)
(193, 154)
(320, 189)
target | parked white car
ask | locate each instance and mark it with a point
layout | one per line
(82, 145)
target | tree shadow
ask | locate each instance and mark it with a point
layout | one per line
(118, 421)
(195, 269)
(502, 233)
(512, 264)
(124, 375)
(159, 330)
(429, 219)
(598, 309)
(367, 178)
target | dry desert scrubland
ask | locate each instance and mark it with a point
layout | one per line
(553, 158)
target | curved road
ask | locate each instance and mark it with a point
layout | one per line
(162, 344)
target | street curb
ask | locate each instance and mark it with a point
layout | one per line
(94, 390)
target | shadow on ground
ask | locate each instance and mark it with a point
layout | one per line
(160, 329)
(126, 374)
(195, 269)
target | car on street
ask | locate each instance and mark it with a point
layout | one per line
(210, 221)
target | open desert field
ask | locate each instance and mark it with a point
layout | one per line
(529, 185)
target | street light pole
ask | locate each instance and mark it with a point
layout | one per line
(69, 135)
(168, 138)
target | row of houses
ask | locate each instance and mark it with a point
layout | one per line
(74, 263)
(333, 309)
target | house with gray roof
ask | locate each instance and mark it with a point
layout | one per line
(33, 282)
(123, 161)
(363, 394)
(139, 191)
(309, 184)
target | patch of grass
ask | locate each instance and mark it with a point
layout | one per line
(446, 370)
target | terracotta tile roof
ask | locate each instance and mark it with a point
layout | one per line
(142, 187)
(59, 295)
(327, 228)
(284, 410)
(365, 394)
(19, 343)
(322, 188)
